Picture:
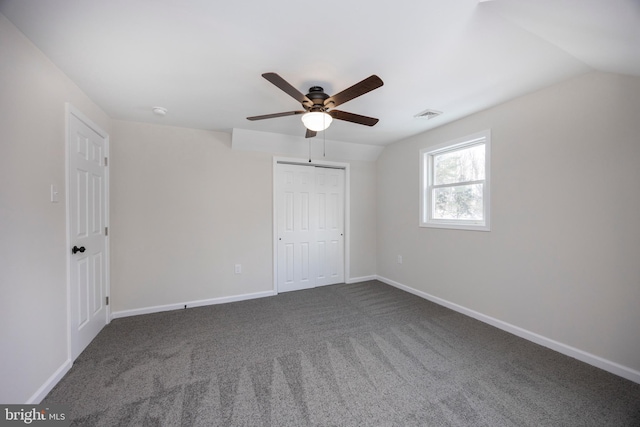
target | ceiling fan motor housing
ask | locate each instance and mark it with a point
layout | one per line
(317, 96)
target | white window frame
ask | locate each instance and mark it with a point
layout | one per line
(426, 184)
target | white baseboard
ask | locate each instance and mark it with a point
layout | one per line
(576, 353)
(361, 279)
(212, 301)
(190, 304)
(50, 383)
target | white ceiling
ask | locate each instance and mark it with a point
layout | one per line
(203, 59)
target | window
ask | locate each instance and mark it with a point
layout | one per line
(454, 184)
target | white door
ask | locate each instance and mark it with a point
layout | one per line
(296, 227)
(329, 238)
(310, 226)
(87, 192)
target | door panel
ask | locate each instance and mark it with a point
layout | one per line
(330, 189)
(295, 224)
(87, 220)
(82, 266)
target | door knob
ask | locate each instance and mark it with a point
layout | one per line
(76, 249)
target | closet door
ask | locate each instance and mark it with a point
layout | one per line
(309, 226)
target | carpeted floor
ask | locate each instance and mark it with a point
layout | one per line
(365, 354)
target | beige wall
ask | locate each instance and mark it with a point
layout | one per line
(185, 208)
(33, 248)
(363, 220)
(561, 259)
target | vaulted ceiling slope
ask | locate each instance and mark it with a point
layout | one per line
(202, 60)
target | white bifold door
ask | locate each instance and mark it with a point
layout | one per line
(310, 226)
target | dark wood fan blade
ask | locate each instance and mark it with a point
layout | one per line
(354, 118)
(310, 133)
(286, 87)
(272, 116)
(366, 85)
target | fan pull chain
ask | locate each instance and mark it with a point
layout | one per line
(324, 138)
(309, 139)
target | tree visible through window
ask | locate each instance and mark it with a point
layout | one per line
(455, 186)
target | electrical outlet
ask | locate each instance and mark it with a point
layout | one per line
(399, 259)
(238, 268)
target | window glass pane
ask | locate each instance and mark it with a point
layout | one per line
(459, 202)
(466, 164)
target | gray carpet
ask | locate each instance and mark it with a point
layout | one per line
(364, 354)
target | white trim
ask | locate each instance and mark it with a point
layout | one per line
(361, 279)
(425, 220)
(274, 225)
(190, 304)
(347, 209)
(347, 220)
(67, 111)
(48, 385)
(576, 353)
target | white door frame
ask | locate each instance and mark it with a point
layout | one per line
(71, 110)
(347, 209)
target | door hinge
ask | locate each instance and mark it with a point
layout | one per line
(107, 300)
(106, 161)
(106, 231)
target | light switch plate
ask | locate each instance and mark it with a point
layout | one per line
(55, 196)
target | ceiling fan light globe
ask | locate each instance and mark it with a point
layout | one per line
(316, 120)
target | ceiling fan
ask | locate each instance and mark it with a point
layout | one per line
(318, 106)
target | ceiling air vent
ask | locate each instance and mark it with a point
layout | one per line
(428, 114)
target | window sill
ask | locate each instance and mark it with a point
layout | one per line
(456, 226)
